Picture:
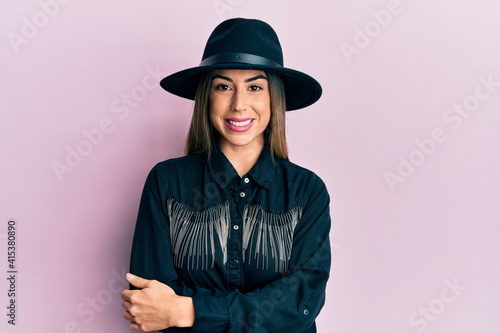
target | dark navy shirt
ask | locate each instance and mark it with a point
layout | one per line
(253, 252)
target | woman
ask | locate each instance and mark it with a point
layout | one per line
(233, 237)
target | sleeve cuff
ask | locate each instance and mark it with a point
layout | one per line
(212, 313)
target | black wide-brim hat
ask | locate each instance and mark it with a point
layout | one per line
(246, 44)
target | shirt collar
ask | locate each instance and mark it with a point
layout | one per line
(263, 171)
(223, 172)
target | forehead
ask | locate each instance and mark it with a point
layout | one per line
(239, 73)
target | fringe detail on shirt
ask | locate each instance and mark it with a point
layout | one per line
(269, 237)
(192, 234)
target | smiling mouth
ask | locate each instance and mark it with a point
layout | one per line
(239, 123)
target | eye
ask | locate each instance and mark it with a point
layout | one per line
(255, 88)
(222, 87)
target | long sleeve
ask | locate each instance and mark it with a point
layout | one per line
(290, 303)
(151, 250)
(151, 256)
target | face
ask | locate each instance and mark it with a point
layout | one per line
(240, 108)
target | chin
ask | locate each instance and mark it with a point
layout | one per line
(242, 141)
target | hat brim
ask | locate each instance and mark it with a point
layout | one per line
(301, 90)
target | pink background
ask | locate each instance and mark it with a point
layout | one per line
(417, 253)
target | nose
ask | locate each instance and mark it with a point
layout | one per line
(239, 101)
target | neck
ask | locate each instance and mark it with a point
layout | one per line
(242, 158)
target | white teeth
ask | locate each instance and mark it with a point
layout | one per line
(240, 123)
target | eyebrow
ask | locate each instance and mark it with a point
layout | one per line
(247, 80)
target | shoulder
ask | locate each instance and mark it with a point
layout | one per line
(300, 173)
(178, 167)
(308, 189)
(302, 181)
(191, 160)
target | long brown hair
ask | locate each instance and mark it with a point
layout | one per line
(201, 136)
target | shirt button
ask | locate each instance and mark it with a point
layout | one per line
(246, 180)
(242, 194)
(236, 227)
(306, 312)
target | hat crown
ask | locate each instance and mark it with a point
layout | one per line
(244, 44)
(245, 36)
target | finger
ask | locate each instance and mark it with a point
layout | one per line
(126, 305)
(125, 295)
(137, 327)
(137, 281)
(127, 315)
(134, 326)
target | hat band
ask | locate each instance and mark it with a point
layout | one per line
(242, 58)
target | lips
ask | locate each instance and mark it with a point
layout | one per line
(239, 124)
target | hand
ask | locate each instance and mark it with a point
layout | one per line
(155, 306)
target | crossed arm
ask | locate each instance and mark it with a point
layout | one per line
(289, 303)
